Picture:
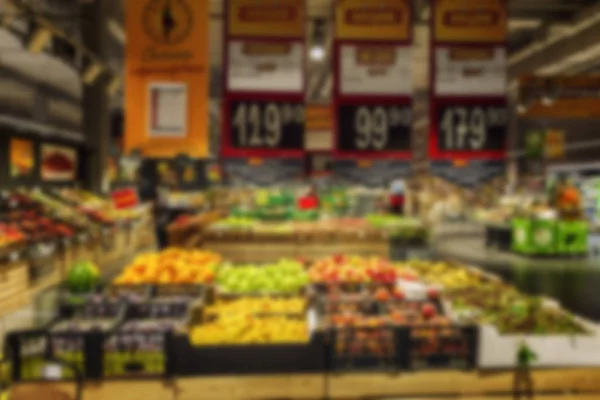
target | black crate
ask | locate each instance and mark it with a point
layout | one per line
(190, 291)
(191, 360)
(451, 347)
(363, 348)
(136, 352)
(30, 350)
(129, 293)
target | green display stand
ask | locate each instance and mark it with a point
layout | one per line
(572, 237)
(521, 233)
(549, 238)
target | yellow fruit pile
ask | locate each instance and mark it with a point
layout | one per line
(249, 329)
(171, 266)
(258, 305)
(253, 321)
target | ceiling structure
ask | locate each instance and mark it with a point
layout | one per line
(546, 36)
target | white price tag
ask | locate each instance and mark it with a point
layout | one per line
(311, 320)
(52, 372)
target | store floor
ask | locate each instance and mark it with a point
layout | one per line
(574, 282)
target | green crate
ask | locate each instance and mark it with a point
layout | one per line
(572, 237)
(521, 234)
(543, 237)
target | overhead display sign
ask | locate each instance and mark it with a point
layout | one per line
(263, 93)
(468, 108)
(570, 97)
(468, 21)
(464, 71)
(375, 70)
(167, 78)
(377, 20)
(372, 81)
(265, 66)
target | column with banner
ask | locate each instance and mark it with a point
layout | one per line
(468, 102)
(263, 90)
(167, 81)
(372, 90)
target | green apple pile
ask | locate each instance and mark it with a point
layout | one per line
(285, 276)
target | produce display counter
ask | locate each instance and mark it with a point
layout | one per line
(254, 241)
(583, 384)
(43, 234)
(342, 327)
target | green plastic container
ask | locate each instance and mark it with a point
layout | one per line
(544, 237)
(572, 237)
(521, 234)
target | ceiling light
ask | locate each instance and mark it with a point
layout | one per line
(91, 73)
(39, 40)
(317, 53)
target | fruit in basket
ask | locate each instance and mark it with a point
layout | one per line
(83, 277)
(352, 269)
(428, 311)
(382, 295)
(433, 294)
(285, 276)
(398, 294)
(258, 305)
(171, 266)
(244, 330)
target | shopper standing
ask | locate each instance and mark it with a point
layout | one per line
(397, 196)
(522, 380)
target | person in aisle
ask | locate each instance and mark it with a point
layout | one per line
(522, 380)
(397, 196)
(310, 201)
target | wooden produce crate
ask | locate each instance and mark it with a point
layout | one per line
(63, 260)
(14, 285)
(182, 235)
(86, 251)
(362, 242)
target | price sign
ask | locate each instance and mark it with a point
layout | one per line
(366, 128)
(267, 125)
(472, 127)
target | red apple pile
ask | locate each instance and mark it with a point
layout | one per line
(352, 269)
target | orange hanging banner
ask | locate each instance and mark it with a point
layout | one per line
(167, 77)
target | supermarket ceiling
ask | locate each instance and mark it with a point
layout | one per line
(546, 36)
(535, 26)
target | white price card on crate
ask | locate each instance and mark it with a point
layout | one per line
(52, 372)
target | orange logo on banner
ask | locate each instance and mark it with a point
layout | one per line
(267, 18)
(373, 20)
(481, 21)
(167, 44)
(318, 118)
